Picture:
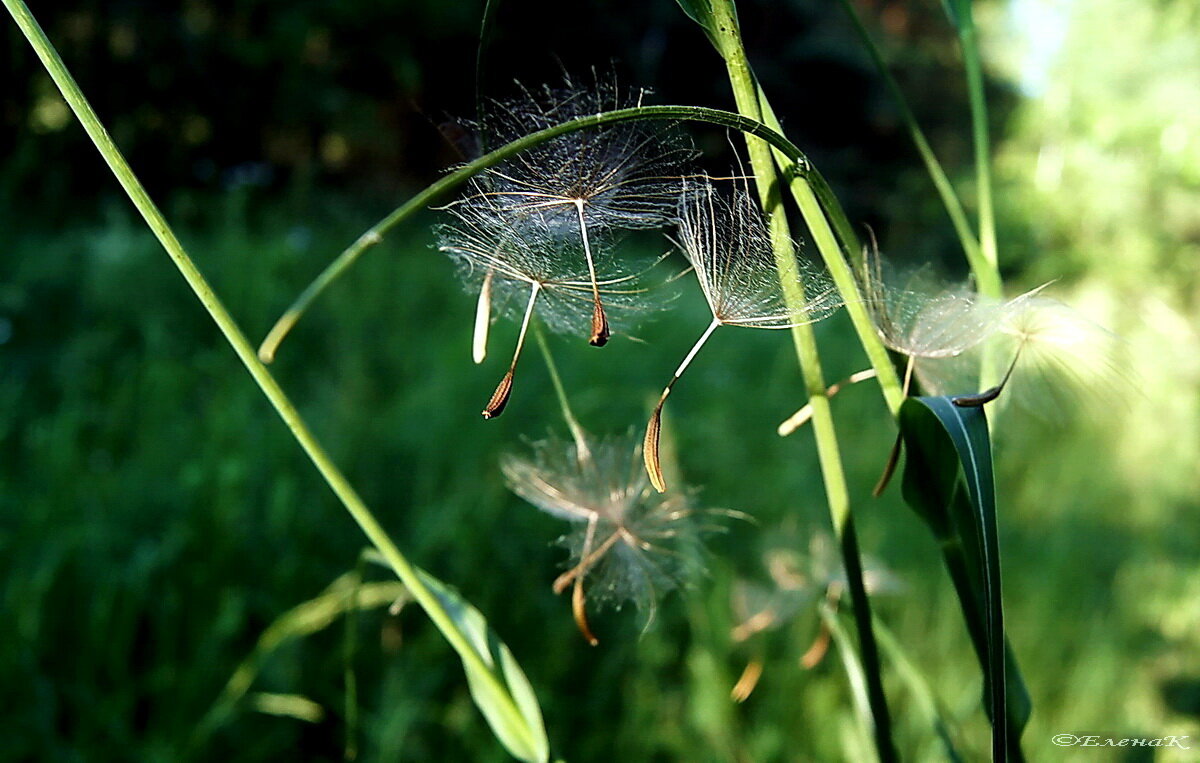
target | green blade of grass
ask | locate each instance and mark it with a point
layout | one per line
(920, 690)
(963, 17)
(762, 160)
(986, 276)
(524, 736)
(948, 480)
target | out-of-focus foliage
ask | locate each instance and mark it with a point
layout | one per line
(1101, 186)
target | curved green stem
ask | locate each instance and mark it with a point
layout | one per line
(409, 574)
(443, 186)
(965, 22)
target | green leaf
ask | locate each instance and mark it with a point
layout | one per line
(523, 734)
(949, 481)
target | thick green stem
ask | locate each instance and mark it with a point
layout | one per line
(745, 90)
(405, 570)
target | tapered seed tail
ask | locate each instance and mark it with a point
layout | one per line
(988, 395)
(600, 333)
(650, 448)
(653, 429)
(499, 399)
(579, 610)
(599, 325)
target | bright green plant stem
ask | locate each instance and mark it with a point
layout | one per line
(855, 672)
(984, 269)
(847, 284)
(918, 687)
(989, 284)
(337, 482)
(745, 90)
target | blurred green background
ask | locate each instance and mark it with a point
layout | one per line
(156, 517)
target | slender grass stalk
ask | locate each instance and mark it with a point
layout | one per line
(404, 569)
(745, 89)
(964, 19)
(984, 270)
(856, 673)
(919, 688)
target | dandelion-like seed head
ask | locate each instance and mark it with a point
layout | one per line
(624, 175)
(921, 319)
(725, 239)
(627, 542)
(732, 255)
(519, 264)
(513, 253)
(619, 176)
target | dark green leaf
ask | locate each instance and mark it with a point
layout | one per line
(948, 480)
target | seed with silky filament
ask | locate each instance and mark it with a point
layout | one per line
(625, 176)
(727, 243)
(519, 266)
